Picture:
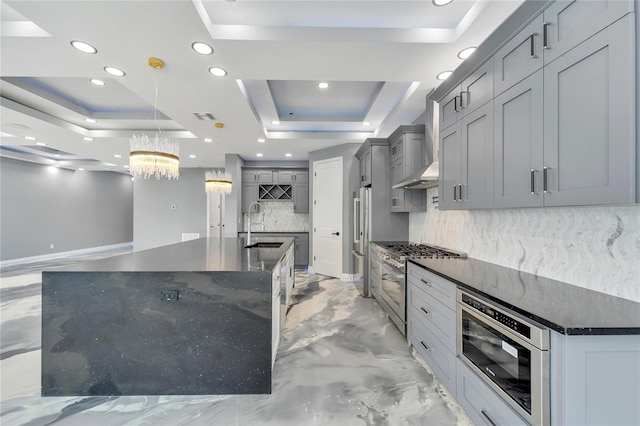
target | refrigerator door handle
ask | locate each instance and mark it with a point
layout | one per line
(356, 223)
(356, 254)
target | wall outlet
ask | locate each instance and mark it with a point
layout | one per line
(51, 246)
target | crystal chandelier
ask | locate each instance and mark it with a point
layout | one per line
(157, 156)
(217, 181)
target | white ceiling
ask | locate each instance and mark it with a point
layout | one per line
(380, 59)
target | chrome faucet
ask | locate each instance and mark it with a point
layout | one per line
(254, 223)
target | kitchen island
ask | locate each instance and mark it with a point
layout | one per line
(199, 317)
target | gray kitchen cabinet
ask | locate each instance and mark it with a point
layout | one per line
(431, 322)
(285, 176)
(276, 314)
(480, 403)
(292, 176)
(365, 167)
(301, 197)
(589, 151)
(466, 169)
(519, 58)
(406, 157)
(450, 152)
(594, 379)
(450, 110)
(569, 23)
(518, 144)
(477, 89)
(258, 176)
(249, 195)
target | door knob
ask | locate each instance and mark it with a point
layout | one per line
(335, 233)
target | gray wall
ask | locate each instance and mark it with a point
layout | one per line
(156, 222)
(351, 182)
(73, 210)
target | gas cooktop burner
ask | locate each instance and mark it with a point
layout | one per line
(417, 251)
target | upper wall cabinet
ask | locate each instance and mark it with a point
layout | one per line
(568, 23)
(564, 129)
(275, 185)
(407, 156)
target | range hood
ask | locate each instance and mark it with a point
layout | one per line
(427, 176)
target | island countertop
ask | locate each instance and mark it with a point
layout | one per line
(202, 255)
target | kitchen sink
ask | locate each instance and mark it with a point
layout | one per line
(264, 245)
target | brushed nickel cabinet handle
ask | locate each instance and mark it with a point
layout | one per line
(545, 181)
(545, 37)
(423, 344)
(533, 45)
(533, 181)
(460, 192)
(489, 419)
(455, 198)
(424, 310)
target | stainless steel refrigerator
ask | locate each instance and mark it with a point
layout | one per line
(361, 237)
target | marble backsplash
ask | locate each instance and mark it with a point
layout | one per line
(278, 216)
(592, 247)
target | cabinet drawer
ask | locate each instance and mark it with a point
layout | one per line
(440, 320)
(439, 288)
(480, 402)
(440, 359)
(519, 58)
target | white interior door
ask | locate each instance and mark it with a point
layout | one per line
(216, 215)
(327, 217)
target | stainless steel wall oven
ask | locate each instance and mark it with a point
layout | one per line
(509, 353)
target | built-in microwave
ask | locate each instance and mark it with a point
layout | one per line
(509, 353)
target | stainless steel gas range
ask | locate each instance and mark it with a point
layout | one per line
(388, 280)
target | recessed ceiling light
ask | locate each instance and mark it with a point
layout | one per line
(41, 143)
(117, 155)
(275, 122)
(366, 123)
(202, 48)
(57, 166)
(287, 155)
(218, 72)
(323, 85)
(208, 140)
(192, 156)
(97, 82)
(84, 47)
(441, 2)
(90, 120)
(465, 53)
(81, 169)
(126, 166)
(114, 71)
(88, 139)
(258, 155)
(30, 138)
(444, 75)
(57, 155)
(261, 140)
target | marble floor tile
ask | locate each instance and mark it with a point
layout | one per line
(341, 362)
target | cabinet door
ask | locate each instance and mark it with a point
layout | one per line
(413, 153)
(265, 176)
(519, 58)
(285, 176)
(449, 168)
(477, 159)
(302, 251)
(397, 200)
(249, 195)
(589, 139)
(301, 176)
(365, 169)
(569, 23)
(301, 197)
(518, 145)
(249, 176)
(477, 89)
(450, 108)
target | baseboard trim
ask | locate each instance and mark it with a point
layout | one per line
(59, 255)
(349, 277)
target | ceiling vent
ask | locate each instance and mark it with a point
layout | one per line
(204, 116)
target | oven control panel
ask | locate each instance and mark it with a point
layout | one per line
(504, 319)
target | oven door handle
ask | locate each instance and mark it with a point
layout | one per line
(396, 276)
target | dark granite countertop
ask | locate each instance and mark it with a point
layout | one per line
(562, 307)
(204, 254)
